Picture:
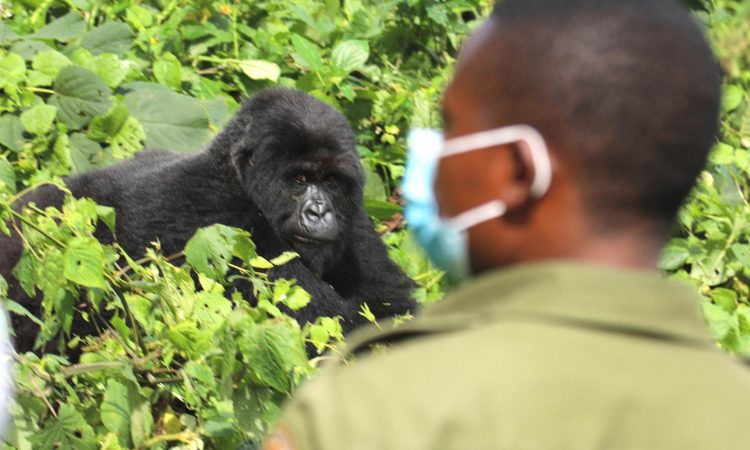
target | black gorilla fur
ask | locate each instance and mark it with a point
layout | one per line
(282, 147)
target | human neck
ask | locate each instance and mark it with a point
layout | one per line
(636, 246)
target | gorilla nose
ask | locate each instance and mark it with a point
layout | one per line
(317, 211)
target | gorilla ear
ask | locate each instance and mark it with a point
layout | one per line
(234, 143)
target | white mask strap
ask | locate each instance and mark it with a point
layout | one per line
(475, 216)
(508, 135)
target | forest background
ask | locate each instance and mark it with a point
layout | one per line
(86, 83)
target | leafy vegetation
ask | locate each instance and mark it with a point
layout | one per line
(86, 83)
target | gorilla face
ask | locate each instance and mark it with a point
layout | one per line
(299, 166)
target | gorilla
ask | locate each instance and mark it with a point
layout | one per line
(286, 169)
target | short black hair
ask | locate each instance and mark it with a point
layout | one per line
(627, 91)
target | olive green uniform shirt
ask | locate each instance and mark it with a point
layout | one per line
(548, 356)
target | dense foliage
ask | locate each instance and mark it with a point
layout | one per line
(177, 365)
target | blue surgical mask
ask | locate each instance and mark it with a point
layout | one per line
(446, 239)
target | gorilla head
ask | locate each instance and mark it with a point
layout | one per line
(296, 161)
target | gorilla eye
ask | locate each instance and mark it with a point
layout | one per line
(331, 180)
(300, 178)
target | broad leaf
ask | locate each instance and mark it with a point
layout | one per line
(112, 37)
(83, 262)
(7, 176)
(115, 411)
(172, 121)
(79, 96)
(274, 349)
(39, 118)
(306, 53)
(66, 28)
(258, 69)
(350, 55)
(11, 132)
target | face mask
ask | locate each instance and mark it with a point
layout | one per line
(445, 239)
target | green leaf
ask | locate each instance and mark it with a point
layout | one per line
(12, 70)
(674, 255)
(350, 55)
(20, 310)
(85, 154)
(128, 140)
(115, 411)
(83, 262)
(66, 28)
(284, 258)
(171, 121)
(306, 53)
(168, 71)
(258, 69)
(275, 351)
(732, 98)
(11, 132)
(50, 62)
(297, 298)
(39, 118)
(7, 176)
(68, 431)
(210, 249)
(111, 37)
(79, 96)
(381, 210)
(110, 68)
(103, 127)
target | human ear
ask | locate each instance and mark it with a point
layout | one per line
(518, 188)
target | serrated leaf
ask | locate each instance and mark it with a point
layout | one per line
(79, 96)
(39, 118)
(11, 132)
(128, 140)
(210, 249)
(297, 298)
(83, 262)
(20, 310)
(85, 154)
(50, 62)
(112, 37)
(350, 55)
(284, 258)
(68, 27)
(674, 255)
(12, 70)
(258, 69)
(103, 127)
(7, 176)
(67, 431)
(275, 350)
(720, 322)
(115, 411)
(306, 53)
(168, 71)
(731, 98)
(172, 121)
(109, 68)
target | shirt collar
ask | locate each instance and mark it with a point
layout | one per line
(608, 298)
(603, 296)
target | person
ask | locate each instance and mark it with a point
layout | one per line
(574, 129)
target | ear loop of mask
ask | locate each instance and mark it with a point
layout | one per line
(500, 136)
(508, 135)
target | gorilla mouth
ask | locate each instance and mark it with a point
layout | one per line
(310, 240)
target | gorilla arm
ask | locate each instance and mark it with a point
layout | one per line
(365, 274)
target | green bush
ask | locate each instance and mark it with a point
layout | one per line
(86, 83)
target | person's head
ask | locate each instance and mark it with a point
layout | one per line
(626, 96)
